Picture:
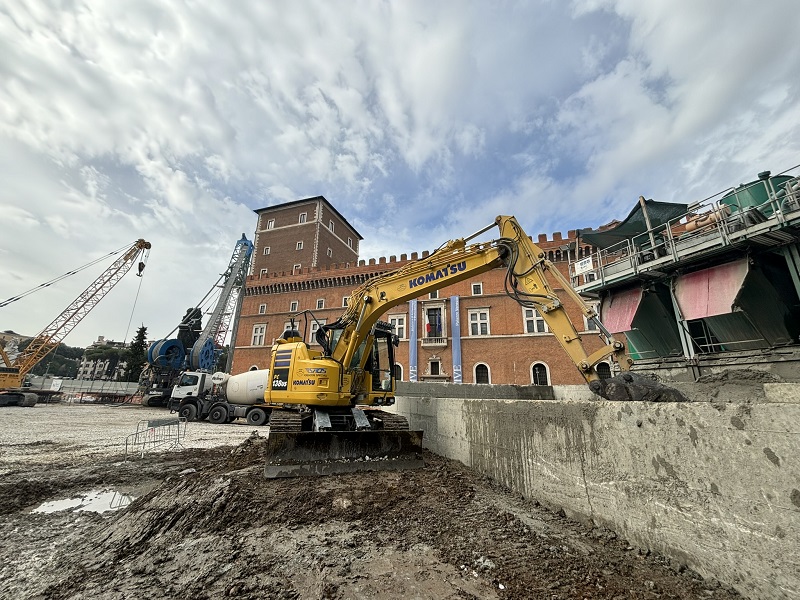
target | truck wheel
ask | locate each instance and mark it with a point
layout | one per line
(188, 412)
(257, 417)
(218, 414)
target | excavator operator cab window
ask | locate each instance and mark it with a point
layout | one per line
(382, 362)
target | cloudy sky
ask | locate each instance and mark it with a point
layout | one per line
(171, 120)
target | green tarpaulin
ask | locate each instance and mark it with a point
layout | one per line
(634, 224)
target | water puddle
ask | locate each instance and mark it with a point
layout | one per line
(99, 501)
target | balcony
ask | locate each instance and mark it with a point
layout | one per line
(434, 341)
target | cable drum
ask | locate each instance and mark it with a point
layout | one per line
(167, 353)
(202, 357)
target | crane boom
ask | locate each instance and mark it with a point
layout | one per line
(44, 342)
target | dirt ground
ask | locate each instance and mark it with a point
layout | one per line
(206, 524)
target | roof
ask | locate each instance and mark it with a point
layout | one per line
(258, 211)
(634, 224)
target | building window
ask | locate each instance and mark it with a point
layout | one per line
(329, 252)
(477, 289)
(479, 321)
(603, 370)
(350, 242)
(293, 305)
(297, 267)
(588, 277)
(258, 334)
(303, 217)
(262, 309)
(266, 251)
(434, 322)
(435, 367)
(299, 245)
(539, 374)
(434, 295)
(262, 272)
(345, 301)
(330, 225)
(399, 326)
(534, 323)
(320, 304)
(315, 325)
(398, 372)
(271, 224)
(482, 373)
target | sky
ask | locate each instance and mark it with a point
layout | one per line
(172, 120)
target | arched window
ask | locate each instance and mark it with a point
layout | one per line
(540, 374)
(253, 368)
(482, 373)
(603, 370)
(398, 372)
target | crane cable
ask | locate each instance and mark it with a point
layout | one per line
(59, 278)
(133, 309)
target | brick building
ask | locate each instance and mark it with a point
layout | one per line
(498, 341)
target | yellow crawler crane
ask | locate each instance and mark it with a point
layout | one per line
(13, 370)
(324, 407)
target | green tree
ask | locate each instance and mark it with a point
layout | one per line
(63, 361)
(136, 355)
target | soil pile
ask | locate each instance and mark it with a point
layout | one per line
(213, 527)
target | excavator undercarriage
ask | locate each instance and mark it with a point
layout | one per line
(306, 443)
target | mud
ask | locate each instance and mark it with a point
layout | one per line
(206, 524)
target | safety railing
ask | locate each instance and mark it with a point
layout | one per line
(707, 226)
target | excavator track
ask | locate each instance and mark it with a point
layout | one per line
(291, 452)
(390, 421)
(288, 421)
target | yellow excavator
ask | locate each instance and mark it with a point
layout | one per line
(325, 407)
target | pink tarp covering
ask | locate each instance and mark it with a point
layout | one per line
(618, 311)
(711, 291)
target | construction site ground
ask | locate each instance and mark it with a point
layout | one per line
(205, 523)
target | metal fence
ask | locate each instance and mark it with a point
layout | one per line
(156, 434)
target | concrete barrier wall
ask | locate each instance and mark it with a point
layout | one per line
(712, 484)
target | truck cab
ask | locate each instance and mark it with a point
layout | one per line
(191, 383)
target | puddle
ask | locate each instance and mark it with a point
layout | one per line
(99, 501)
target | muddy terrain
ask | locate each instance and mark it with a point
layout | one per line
(206, 524)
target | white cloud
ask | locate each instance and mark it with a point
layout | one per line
(417, 120)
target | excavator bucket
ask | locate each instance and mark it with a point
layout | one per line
(314, 453)
(637, 388)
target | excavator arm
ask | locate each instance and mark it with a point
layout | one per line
(530, 280)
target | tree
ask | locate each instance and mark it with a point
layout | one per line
(62, 362)
(136, 356)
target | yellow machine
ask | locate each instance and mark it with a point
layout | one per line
(324, 407)
(14, 369)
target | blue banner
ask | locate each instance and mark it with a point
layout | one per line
(412, 340)
(455, 322)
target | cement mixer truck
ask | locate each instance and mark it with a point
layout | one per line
(221, 398)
